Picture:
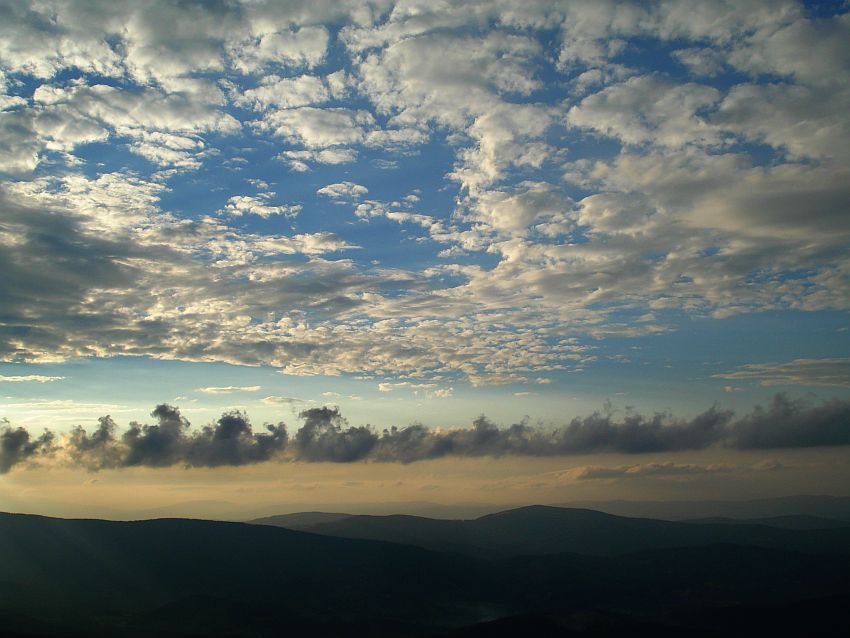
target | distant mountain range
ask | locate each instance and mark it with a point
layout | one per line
(534, 571)
(550, 530)
(794, 521)
(836, 507)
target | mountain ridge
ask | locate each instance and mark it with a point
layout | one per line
(185, 577)
(552, 530)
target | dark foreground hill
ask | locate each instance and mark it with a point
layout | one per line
(550, 530)
(203, 578)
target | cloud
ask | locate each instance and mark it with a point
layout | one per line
(67, 117)
(305, 46)
(649, 109)
(318, 128)
(705, 62)
(19, 148)
(278, 400)
(701, 197)
(37, 378)
(593, 472)
(98, 450)
(258, 205)
(18, 446)
(326, 436)
(792, 423)
(343, 190)
(811, 372)
(389, 387)
(229, 441)
(285, 92)
(395, 138)
(428, 390)
(159, 445)
(231, 389)
(297, 160)
(514, 211)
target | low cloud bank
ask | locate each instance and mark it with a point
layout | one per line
(229, 441)
(326, 436)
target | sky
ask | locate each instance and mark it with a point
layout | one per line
(563, 248)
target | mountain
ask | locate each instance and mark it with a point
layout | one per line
(93, 574)
(798, 522)
(172, 577)
(300, 520)
(837, 507)
(549, 530)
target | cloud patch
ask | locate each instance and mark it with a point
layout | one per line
(230, 389)
(595, 472)
(812, 372)
(19, 446)
(343, 191)
(259, 205)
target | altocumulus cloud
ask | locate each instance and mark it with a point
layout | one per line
(719, 187)
(326, 436)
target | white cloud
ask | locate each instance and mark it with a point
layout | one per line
(426, 390)
(28, 378)
(318, 128)
(805, 122)
(287, 93)
(648, 109)
(446, 78)
(297, 160)
(700, 61)
(516, 210)
(395, 138)
(343, 190)
(303, 47)
(230, 389)
(258, 205)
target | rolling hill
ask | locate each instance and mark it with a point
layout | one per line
(170, 577)
(549, 530)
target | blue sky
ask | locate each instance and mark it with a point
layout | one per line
(421, 212)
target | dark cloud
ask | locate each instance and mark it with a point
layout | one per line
(18, 446)
(50, 272)
(637, 433)
(326, 436)
(159, 445)
(484, 438)
(599, 432)
(229, 441)
(790, 422)
(98, 450)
